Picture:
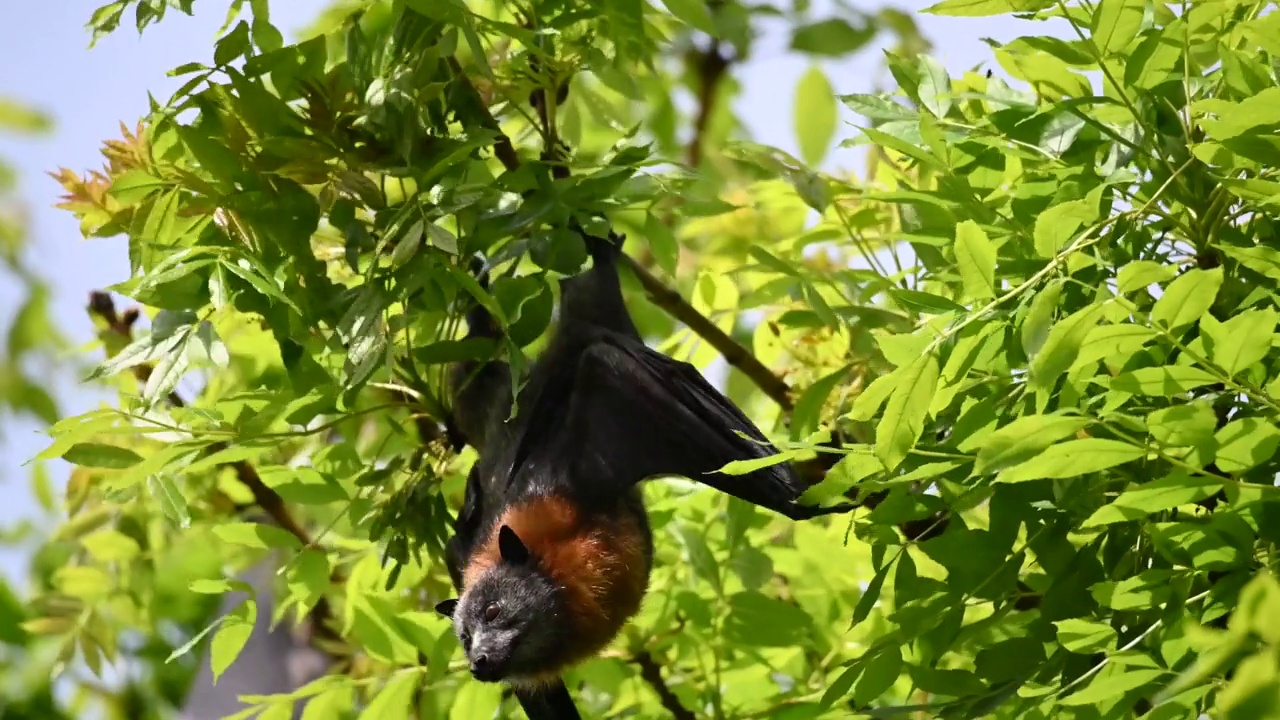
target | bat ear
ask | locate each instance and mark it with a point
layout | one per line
(446, 607)
(511, 547)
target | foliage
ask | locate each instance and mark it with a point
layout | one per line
(30, 343)
(1049, 372)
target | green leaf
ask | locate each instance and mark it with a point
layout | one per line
(815, 115)
(1056, 226)
(13, 614)
(1035, 328)
(1260, 259)
(165, 375)
(1252, 690)
(698, 554)
(15, 117)
(1158, 495)
(1242, 341)
(926, 303)
(1155, 60)
(878, 675)
(110, 546)
(905, 413)
(474, 700)
(559, 249)
(208, 586)
(256, 535)
(160, 219)
(231, 637)
(1116, 342)
(1259, 607)
(1143, 591)
(868, 402)
(395, 700)
(303, 485)
(985, 8)
(332, 703)
(666, 250)
(172, 502)
(1245, 443)
(877, 107)
(1116, 23)
(757, 620)
(232, 45)
(693, 12)
(98, 455)
(1085, 636)
(1187, 298)
(1063, 345)
(133, 186)
(364, 331)
(807, 414)
(1072, 459)
(82, 581)
(308, 578)
(190, 644)
(1239, 118)
(1111, 684)
(1023, 439)
(743, 467)
(1183, 425)
(443, 238)
(935, 86)
(1142, 274)
(976, 259)
(1062, 129)
(1162, 381)
(205, 349)
(833, 37)
(885, 140)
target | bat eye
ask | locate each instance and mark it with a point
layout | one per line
(491, 612)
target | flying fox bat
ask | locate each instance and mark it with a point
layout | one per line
(552, 548)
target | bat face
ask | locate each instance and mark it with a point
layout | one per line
(508, 622)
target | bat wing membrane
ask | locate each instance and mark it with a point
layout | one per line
(633, 413)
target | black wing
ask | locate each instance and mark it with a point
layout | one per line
(627, 413)
(466, 529)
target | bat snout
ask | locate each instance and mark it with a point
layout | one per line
(485, 670)
(488, 665)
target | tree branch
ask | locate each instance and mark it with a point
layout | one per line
(651, 672)
(713, 64)
(661, 295)
(733, 351)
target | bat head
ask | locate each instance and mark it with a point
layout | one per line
(512, 621)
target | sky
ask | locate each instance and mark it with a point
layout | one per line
(45, 61)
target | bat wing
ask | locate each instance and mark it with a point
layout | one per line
(466, 529)
(627, 413)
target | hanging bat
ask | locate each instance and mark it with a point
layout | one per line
(552, 549)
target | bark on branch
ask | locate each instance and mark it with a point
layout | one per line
(651, 673)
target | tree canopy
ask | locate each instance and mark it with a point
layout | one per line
(1034, 338)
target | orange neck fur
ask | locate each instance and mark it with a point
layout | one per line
(598, 562)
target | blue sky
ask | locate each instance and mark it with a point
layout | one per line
(46, 62)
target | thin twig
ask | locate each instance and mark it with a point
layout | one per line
(732, 350)
(651, 673)
(712, 67)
